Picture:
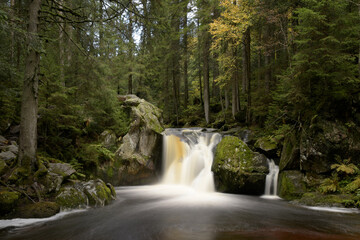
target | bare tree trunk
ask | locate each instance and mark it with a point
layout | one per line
(267, 61)
(186, 83)
(61, 43)
(29, 101)
(206, 76)
(227, 101)
(235, 87)
(130, 52)
(247, 72)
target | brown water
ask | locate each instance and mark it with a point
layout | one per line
(176, 213)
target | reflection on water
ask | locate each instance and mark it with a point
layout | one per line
(174, 213)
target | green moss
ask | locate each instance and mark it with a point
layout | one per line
(287, 189)
(234, 153)
(38, 210)
(8, 200)
(69, 198)
(266, 143)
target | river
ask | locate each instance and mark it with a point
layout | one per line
(174, 213)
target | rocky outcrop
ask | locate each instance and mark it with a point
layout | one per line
(238, 169)
(138, 158)
(291, 184)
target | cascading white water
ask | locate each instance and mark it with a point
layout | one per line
(272, 179)
(188, 157)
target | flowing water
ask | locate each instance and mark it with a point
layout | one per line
(188, 157)
(185, 207)
(271, 183)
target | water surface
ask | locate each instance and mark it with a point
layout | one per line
(175, 213)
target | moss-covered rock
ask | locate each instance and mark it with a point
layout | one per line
(237, 169)
(38, 210)
(139, 155)
(328, 200)
(98, 193)
(3, 167)
(291, 185)
(290, 155)
(8, 200)
(71, 197)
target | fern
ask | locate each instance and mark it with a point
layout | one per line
(329, 186)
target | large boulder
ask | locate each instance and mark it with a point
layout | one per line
(323, 140)
(139, 155)
(290, 154)
(238, 169)
(291, 184)
(70, 197)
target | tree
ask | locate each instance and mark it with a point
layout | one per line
(29, 102)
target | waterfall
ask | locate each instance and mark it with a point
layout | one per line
(188, 157)
(271, 180)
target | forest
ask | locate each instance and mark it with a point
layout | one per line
(283, 69)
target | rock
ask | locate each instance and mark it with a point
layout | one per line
(52, 182)
(323, 140)
(290, 154)
(2, 140)
(13, 148)
(328, 200)
(3, 167)
(237, 169)
(8, 200)
(138, 158)
(62, 169)
(7, 156)
(71, 197)
(291, 185)
(38, 210)
(98, 193)
(108, 139)
(268, 145)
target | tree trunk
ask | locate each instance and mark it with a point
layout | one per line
(267, 61)
(186, 83)
(61, 44)
(247, 72)
(29, 101)
(206, 76)
(235, 106)
(130, 52)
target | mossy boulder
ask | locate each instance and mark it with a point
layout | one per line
(269, 145)
(290, 155)
(291, 184)
(3, 167)
(98, 193)
(238, 169)
(8, 200)
(71, 197)
(138, 159)
(38, 210)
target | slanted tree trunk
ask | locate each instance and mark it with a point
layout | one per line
(29, 101)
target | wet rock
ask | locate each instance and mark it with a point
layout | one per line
(71, 197)
(268, 145)
(238, 169)
(38, 210)
(291, 184)
(98, 193)
(8, 200)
